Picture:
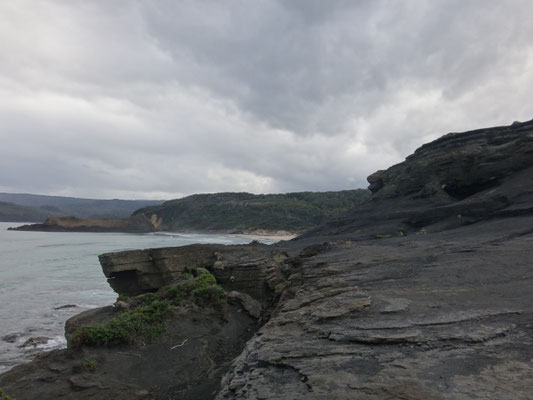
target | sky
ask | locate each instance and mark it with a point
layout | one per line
(165, 98)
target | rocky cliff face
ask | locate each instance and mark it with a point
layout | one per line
(252, 269)
(422, 293)
(457, 180)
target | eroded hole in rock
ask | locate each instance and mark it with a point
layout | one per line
(461, 191)
(125, 282)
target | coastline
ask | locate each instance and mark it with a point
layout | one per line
(277, 236)
(259, 234)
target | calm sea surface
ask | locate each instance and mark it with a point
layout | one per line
(41, 271)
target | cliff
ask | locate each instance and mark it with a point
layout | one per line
(421, 293)
(457, 180)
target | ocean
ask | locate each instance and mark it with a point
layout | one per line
(45, 278)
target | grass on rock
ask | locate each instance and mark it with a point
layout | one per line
(145, 321)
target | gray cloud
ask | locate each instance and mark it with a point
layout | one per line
(167, 98)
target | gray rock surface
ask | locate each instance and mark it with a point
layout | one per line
(415, 317)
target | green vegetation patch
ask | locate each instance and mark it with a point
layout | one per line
(4, 396)
(90, 365)
(145, 321)
(203, 289)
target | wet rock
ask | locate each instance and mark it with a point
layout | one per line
(66, 307)
(35, 341)
(11, 337)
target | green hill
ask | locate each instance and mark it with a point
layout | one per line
(46, 206)
(10, 212)
(245, 212)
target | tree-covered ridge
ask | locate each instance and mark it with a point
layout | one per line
(10, 212)
(246, 212)
(36, 207)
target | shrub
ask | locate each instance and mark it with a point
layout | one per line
(202, 287)
(211, 294)
(90, 365)
(122, 297)
(143, 323)
(147, 298)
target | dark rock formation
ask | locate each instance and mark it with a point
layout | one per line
(254, 270)
(459, 179)
(421, 293)
(35, 341)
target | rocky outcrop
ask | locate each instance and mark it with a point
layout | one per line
(256, 270)
(186, 362)
(457, 180)
(137, 224)
(421, 293)
(435, 316)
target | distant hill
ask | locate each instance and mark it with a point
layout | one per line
(37, 208)
(10, 212)
(245, 212)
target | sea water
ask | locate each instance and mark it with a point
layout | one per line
(47, 277)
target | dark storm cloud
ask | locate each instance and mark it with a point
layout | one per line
(166, 98)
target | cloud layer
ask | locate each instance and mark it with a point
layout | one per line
(160, 99)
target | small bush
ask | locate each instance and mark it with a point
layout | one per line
(147, 298)
(122, 297)
(211, 294)
(90, 365)
(198, 287)
(143, 323)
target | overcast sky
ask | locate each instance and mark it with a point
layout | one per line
(161, 99)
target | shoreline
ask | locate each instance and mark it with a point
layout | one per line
(266, 236)
(260, 234)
